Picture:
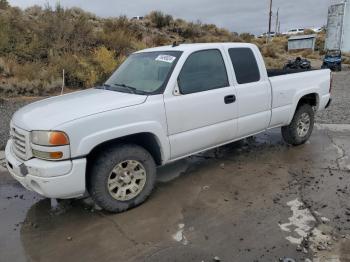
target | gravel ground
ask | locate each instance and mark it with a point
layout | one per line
(337, 113)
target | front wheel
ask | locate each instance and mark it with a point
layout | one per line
(122, 177)
(300, 129)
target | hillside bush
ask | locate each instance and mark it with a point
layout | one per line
(159, 19)
(38, 43)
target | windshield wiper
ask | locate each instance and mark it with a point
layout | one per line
(130, 88)
(122, 88)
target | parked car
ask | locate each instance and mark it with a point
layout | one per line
(332, 60)
(264, 35)
(318, 29)
(298, 63)
(162, 104)
(137, 18)
(295, 31)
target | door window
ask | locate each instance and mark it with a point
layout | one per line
(202, 71)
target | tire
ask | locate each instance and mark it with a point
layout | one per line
(110, 168)
(293, 133)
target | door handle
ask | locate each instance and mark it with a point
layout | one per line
(230, 99)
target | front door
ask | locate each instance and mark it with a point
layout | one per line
(204, 112)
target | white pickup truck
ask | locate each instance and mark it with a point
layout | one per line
(162, 104)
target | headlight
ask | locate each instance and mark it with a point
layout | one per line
(49, 138)
(50, 145)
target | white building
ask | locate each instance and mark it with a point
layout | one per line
(299, 42)
(338, 27)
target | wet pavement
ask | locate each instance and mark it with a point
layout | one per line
(255, 200)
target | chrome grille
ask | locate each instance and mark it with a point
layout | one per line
(20, 142)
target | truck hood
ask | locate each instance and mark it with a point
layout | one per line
(49, 113)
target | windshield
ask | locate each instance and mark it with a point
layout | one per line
(333, 53)
(144, 73)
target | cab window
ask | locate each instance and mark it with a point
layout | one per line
(244, 64)
(202, 71)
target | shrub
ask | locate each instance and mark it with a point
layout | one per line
(159, 19)
(4, 4)
(346, 58)
(246, 37)
(104, 61)
(272, 63)
(269, 51)
(14, 87)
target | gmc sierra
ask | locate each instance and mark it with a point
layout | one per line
(162, 104)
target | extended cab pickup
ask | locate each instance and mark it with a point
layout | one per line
(161, 105)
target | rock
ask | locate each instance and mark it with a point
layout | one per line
(320, 248)
(222, 165)
(216, 259)
(69, 238)
(287, 259)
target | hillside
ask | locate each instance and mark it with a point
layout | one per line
(37, 43)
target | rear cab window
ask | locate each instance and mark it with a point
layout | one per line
(245, 65)
(203, 70)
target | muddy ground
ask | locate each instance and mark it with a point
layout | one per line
(255, 200)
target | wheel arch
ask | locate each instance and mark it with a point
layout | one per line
(311, 99)
(147, 140)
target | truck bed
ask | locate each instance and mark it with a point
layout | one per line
(279, 72)
(289, 87)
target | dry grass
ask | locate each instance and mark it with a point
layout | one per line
(88, 48)
(346, 58)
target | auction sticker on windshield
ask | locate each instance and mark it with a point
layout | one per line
(166, 58)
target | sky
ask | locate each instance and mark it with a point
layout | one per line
(235, 15)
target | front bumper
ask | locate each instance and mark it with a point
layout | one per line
(52, 179)
(332, 65)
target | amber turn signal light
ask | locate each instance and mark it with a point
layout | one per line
(58, 139)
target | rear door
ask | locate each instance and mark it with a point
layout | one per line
(253, 91)
(202, 112)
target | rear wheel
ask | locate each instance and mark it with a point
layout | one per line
(300, 129)
(122, 177)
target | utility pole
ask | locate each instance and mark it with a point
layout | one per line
(277, 21)
(279, 27)
(270, 18)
